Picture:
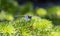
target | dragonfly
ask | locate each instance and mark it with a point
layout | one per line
(26, 17)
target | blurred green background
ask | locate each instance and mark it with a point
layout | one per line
(25, 20)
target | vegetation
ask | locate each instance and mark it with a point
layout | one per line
(23, 20)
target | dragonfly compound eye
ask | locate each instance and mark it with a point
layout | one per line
(29, 17)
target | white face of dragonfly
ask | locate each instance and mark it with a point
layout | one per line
(26, 18)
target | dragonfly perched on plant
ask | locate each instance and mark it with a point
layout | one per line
(26, 17)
